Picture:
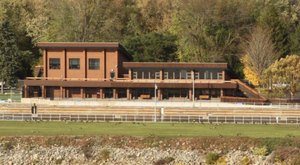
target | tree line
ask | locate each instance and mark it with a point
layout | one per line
(249, 35)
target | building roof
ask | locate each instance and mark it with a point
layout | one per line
(174, 65)
(78, 45)
(84, 45)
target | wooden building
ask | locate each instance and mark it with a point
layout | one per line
(103, 70)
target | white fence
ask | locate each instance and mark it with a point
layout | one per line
(153, 118)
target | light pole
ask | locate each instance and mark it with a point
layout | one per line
(193, 77)
(155, 88)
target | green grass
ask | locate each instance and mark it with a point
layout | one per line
(14, 96)
(15, 128)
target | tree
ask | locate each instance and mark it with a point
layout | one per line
(295, 40)
(260, 51)
(9, 55)
(152, 47)
(248, 72)
(285, 72)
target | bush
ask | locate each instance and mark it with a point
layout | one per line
(7, 146)
(104, 154)
(87, 149)
(222, 161)
(261, 151)
(163, 161)
(246, 160)
(211, 158)
(59, 161)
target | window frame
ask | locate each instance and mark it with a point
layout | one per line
(89, 62)
(71, 66)
(51, 64)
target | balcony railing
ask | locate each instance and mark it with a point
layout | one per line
(128, 80)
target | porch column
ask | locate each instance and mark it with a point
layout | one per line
(128, 94)
(82, 92)
(190, 94)
(159, 94)
(43, 91)
(115, 93)
(221, 92)
(63, 92)
(161, 74)
(101, 93)
(25, 91)
(223, 73)
(67, 92)
(130, 74)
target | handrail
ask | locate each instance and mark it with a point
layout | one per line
(251, 90)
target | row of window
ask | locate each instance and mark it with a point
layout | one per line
(74, 63)
(178, 75)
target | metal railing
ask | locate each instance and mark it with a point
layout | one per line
(152, 118)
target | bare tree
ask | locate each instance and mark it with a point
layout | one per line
(260, 50)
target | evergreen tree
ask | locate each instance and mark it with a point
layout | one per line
(152, 47)
(9, 55)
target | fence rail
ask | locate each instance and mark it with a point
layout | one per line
(152, 118)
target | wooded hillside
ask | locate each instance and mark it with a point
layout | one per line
(160, 30)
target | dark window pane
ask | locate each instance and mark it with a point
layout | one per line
(74, 63)
(94, 63)
(54, 63)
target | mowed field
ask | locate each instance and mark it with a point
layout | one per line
(18, 128)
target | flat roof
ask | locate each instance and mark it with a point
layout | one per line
(174, 65)
(84, 45)
(78, 45)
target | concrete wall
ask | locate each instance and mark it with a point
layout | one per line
(126, 103)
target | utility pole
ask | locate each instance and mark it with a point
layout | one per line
(155, 88)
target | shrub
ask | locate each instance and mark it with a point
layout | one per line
(260, 151)
(211, 158)
(163, 161)
(222, 161)
(59, 161)
(87, 149)
(246, 160)
(7, 146)
(104, 155)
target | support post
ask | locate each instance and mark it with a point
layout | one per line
(221, 92)
(82, 92)
(115, 93)
(101, 93)
(43, 91)
(159, 94)
(161, 74)
(128, 94)
(130, 74)
(26, 91)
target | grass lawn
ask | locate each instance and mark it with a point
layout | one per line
(15, 128)
(14, 96)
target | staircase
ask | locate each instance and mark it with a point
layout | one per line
(248, 91)
(38, 71)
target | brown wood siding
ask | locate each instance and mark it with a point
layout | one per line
(110, 84)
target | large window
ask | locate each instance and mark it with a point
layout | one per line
(54, 63)
(94, 63)
(74, 63)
